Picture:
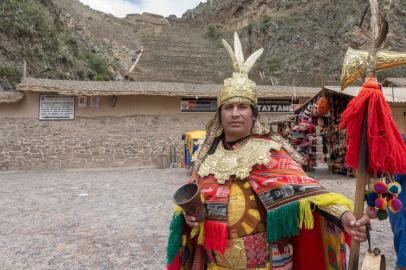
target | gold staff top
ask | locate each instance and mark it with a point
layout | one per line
(358, 63)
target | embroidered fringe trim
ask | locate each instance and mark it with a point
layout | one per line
(322, 200)
(175, 235)
(282, 222)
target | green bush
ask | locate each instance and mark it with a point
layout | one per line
(214, 32)
(273, 65)
(8, 71)
(11, 73)
(99, 66)
(265, 22)
(47, 44)
(266, 19)
(22, 18)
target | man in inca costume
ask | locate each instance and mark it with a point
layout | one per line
(263, 211)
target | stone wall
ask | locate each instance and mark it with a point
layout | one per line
(27, 143)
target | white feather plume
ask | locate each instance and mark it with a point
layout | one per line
(237, 56)
(238, 50)
(252, 59)
(231, 53)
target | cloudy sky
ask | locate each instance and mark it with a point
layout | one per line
(120, 8)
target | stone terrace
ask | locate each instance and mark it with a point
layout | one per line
(179, 53)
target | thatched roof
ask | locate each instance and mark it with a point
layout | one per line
(118, 88)
(10, 96)
(399, 82)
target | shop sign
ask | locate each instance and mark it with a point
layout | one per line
(210, 105)
(198, 105)
(54, 107)
(275, 105)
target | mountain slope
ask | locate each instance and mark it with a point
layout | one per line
(36, 32)
(304, 40)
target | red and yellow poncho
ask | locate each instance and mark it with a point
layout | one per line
(261, 214)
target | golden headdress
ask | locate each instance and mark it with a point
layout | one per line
(239, 88)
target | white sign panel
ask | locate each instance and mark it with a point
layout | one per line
(53, 107)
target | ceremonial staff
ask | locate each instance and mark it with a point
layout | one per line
(374, 143)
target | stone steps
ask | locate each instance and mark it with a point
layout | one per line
(179, 49)
(180, 60)
(176, 77)
(177, 71)
(175, 43)
(176, 54)
(174, 34)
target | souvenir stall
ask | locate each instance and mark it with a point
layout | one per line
(316, 134)
(304, 139)
(282, 124)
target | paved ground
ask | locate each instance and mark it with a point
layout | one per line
(103, 218)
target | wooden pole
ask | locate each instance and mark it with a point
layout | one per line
(362, 176)
(24, 70)
(362, 180)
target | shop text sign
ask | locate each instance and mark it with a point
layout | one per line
(210, 105)
(54, 107)
(198, 105)
(275, 105)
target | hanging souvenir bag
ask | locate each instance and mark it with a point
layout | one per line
(374, 259)
(322, 105)
(314, 110)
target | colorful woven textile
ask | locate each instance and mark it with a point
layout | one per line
(282, 181)
(284, 198)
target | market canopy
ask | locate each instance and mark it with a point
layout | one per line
(391, 94)
(398, 82)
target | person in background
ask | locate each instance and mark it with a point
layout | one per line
(398, 224)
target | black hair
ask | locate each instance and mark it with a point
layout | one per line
(215, 143)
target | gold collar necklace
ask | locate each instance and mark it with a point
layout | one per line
(225, 163)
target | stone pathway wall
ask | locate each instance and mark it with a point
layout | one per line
(28, 143)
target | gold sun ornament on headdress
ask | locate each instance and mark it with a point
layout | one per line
(239, 88)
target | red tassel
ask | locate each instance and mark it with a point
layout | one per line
(175, 264)
(386, 149)
(215, 236)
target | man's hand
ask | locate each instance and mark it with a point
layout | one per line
(190, 220)
(355, 228)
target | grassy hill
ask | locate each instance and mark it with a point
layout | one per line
(34, 31)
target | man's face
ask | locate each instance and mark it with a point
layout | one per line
(236, 120)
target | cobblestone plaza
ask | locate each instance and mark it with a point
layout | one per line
(105, 218)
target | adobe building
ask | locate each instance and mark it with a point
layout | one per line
(65, 124)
